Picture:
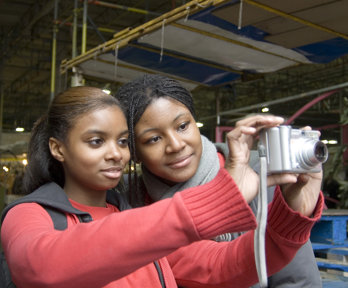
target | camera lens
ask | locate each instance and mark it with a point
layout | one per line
(320, 151)
(311, 153)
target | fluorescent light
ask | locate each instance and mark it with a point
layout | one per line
(107, 91)
(5, 168)
(19, 129)
(331, 142)
(199, 124)
(265, 109)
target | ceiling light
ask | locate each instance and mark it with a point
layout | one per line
(265, 109)
(107, 91)
(199, 124)
(331, 142)
(19, 129)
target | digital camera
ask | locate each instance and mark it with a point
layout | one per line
(293, 150)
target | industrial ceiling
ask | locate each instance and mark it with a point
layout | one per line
(28, 29)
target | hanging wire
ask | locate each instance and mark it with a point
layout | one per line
(66, 80)
(116, 61)
(162, 40)
(95, 59)
(240, 15)
(188, 13)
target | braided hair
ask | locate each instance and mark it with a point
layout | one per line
(135, 97)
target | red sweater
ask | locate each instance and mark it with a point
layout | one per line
(118, 248)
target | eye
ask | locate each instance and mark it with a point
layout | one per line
(183, 126)
(153, 139)
(123, 142)
(96, 142)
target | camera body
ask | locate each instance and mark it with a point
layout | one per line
(293, 150)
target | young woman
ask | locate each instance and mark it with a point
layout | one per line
(174, 156)
(76, 156)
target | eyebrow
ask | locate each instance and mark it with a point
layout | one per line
(96, 131)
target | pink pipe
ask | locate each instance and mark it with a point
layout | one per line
(310, 104)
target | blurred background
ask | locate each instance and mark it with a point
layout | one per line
(288, 58)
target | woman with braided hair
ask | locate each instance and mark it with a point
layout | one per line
(77, 152)
(174, 156)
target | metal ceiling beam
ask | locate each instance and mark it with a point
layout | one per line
(296, 19)
(54, 51)
(125, 8)
(122, 38)
(278, 101)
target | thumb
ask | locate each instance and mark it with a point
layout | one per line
(281, 179)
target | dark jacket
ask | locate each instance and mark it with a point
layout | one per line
(53, 198)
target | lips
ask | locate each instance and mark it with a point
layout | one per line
(113, 172)
(181, 162)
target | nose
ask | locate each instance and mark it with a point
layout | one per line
(175, 143)
(114, 152)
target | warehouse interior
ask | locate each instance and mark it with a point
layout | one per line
(287, 58)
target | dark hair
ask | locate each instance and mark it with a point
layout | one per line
(61, 116)
(135, 96)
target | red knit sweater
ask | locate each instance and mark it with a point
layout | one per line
(117, 249)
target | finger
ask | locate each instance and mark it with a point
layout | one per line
(281, 179)
(307, 128)
(241, 136)
(260, 120)
(238, 131)
(303, 179)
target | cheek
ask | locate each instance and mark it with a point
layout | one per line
(86, 156)
(199, 149)
(126, 155)
(196, 141)
(150, 157)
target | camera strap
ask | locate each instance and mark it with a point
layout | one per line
(261, 217)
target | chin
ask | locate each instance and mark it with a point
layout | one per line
(105, 186)
(183, 178)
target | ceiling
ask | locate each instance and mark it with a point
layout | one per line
(286, 54)
(26, 32)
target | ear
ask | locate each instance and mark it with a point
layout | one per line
(56, 148)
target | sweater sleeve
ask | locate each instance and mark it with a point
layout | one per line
(97, 253)
(232, 264)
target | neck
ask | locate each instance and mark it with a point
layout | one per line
(89, 198)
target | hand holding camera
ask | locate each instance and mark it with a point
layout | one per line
(301, 177)
(293, 150)
(297, 151)
(240, 141)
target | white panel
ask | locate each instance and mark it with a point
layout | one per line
(223, 52)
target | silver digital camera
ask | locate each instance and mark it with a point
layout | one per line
(293, 150)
